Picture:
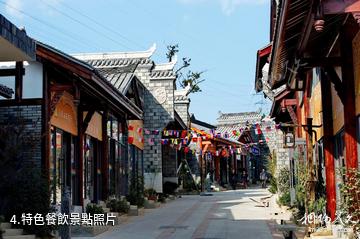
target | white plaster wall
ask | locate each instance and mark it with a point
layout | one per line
(32, 81)
(154, 180)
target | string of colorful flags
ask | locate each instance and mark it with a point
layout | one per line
(181, 138)
(183, 133)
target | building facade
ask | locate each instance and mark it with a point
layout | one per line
(159, 108)
(313, 65)
(74, 121)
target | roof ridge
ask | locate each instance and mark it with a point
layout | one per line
(116, 55)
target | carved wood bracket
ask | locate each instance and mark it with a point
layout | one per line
(54, 101)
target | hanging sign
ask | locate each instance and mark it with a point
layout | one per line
(289, 140)
(136, 133)
(94, 128)
(65, 114)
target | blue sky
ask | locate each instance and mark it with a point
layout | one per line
(220, 36)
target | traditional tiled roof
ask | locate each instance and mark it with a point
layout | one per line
(117, 59)
(181, 98)
(239, 118)
(127, 103)
(163, 74)
(119, 77)
(229, 130)
(119, 62)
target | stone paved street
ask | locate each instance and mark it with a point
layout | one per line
(228, 214)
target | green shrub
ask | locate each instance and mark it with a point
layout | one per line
(92, 209)
(318, 206)
(284, 199)
(35, 198)
(271, 166)
(23, 187)
(283, 180)
(123, 206)
(350, 204)
(120, 206)
(136, 193)
(273, 185)
(300, 192)
(149, 192)
(112, 204)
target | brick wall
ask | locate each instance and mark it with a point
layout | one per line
(170, 166)
(182, 108)
(28, 118)
(276, 144)
(156, 117)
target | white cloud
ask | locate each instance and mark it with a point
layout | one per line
(12, 7)
(227, 6)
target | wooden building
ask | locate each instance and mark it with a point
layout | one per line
(79, 119)
(315, 55)
(219, 156)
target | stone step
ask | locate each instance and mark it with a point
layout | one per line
(5, 225)
(13, 232)
(20, 237)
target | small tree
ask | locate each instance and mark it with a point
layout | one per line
(283, 183)
(136, 192)
(351, 199)
(271, 166)
(23, 187)
(189, 80)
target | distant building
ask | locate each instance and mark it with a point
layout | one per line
(268, 143)
(164, 107)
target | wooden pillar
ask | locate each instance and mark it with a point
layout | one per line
(45, 131)
(298, 116)
(309, 140)
(105, 157)
(346, 37)
(19, 71)
(326, 99)
(310, 161)
(81, 138)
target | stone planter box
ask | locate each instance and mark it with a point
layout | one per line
(172, 197)
(135, 211)
(150, 204)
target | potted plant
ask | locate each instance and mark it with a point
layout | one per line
(151, 194)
